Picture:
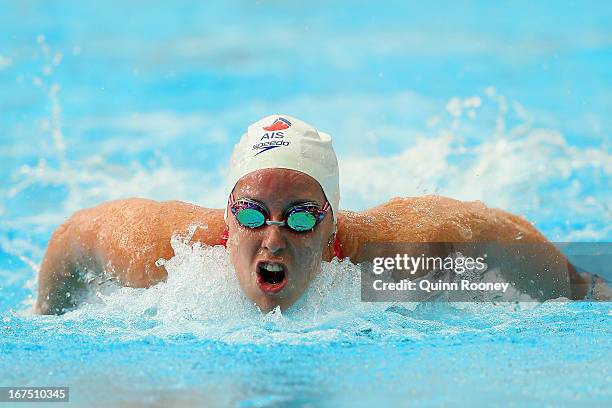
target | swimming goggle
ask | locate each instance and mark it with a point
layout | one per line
(301, 217)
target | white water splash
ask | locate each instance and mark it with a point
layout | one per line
(518, 168)
(202, 297)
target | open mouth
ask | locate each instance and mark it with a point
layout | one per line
(271, 277)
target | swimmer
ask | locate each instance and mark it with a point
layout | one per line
(282, 219)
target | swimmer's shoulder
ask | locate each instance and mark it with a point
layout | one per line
(434, 218)
(180, 217)
(431, 203)
(164, 218)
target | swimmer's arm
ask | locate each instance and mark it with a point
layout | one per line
(440, 219)
(121, 240)
(57, 279)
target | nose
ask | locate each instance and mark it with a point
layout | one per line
(273, 240)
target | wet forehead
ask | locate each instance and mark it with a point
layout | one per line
(278, 188)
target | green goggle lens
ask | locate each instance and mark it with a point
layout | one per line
(251, 218)
(301, 221)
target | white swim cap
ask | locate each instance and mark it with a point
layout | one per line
(282, 141)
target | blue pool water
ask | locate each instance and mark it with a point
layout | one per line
(509, 103)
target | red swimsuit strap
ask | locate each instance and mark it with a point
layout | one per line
(337, 247)
(224, 238)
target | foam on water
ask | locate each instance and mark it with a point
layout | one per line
(202, 299)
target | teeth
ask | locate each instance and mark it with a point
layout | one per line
(272, 267)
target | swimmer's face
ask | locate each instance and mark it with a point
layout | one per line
(258, 253)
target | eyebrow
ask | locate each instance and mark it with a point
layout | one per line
(291, 204)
